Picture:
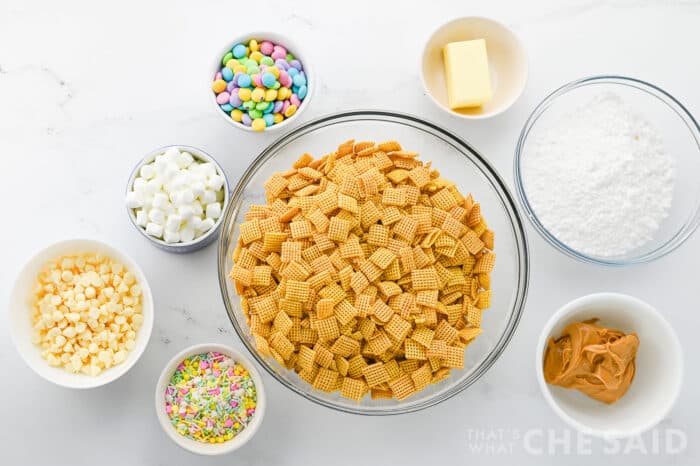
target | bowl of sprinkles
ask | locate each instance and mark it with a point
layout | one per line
(210, 399)
(260, 82)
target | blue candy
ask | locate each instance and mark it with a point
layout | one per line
(269, 108)
(292, 72)
(269, 119)
(268, 79)
(301, 93)
(299, 80)
(244, 80)
(227, 74)
(239, 50)
(226, 108)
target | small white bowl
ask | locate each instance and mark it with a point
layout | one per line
(209, 448)
(507, 64)
(658, 376)
(292, 48)
(20, 313)
(199, 242)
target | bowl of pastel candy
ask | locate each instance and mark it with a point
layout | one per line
(260, 82)
(175, 197)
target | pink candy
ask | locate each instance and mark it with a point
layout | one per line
(294, 99)
(277, 54)
(285, 79)
(266, 47)
(228, 423)
(257, 80)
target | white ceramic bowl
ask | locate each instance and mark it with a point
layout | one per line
(200, 447)
(199, 242)
(508, 65)
(659, 367)
(293, 48)
(20, 313)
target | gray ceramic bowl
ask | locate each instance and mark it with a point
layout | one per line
(199, 242)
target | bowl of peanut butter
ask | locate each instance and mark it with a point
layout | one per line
(609, 365)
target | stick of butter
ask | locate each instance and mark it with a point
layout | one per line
(467, 73)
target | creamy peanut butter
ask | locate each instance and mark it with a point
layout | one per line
(597, 360)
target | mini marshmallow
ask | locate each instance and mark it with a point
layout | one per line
(154, 229)
(198, 209)
(172, 223)
(172, 154)
(186, 212)
(187, 234)
(215, 182)
(133, 200)
(208, 169)
(160, 165)
(185, 160)
(198, 188)
(206, 225)
(196, 223)
(154, 185)
(156, 216)
(140, 185)
(147, 171)
(141, 218)
(171, 236)
(214, 210)
(160, 200)
(208, 197)
(187, 196)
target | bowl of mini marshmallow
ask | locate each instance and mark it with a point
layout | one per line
(175, 197)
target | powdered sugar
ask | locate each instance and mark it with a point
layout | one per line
(599, 179)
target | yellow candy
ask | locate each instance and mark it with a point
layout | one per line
(258, 94)
(258, 124)
(283, 93)
(270, 95)
(290, 111)
(274, 70)
(240, 69)
(244, 94)
(278, 117)
(257, 56)
(253, 45)
(232, 63)
(219, 86)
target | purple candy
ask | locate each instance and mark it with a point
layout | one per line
(230, 86)
(294, 99)
(278, 106)
(295, 64)
(222, 98)
(246, 119)
(282, 64)
(235, 100)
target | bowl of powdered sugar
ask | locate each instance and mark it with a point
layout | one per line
(607, 169)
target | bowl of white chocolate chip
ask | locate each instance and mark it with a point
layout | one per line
(175, 197)
(81, 313)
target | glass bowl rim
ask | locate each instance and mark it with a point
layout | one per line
(675, 241)
(498, 185)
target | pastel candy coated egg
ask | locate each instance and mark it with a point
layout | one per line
(277, 85)
(281, 49)
(266, 47)
(217, 75)
(226, 58)
(299, 80)
(232, 63)
(255, 113)
(236, 115)
(218, 86)
(235, 100)
(253, 69)
(248, 104)
(295, 64)
(275, 71)
(270, 95)
(223, 98)
(285, 106)
(244, 94)
(295, 100)
(226, 107)
(293, 72)
(282, 64)
(258, 94)
(258, 80)
(269, 119)
(253, 45)
(290, 111)
(244, 80)
(239, 50)
(240, 69)
(257, 56)
(230, 86)
(278, 106)
(285, 79)
(227, 74)
(268, 79)
(269, 108)
(277, 55)
(278, 117)
(267, 61)
(246, 120)
(262, 105)
(302, 92)
(258, 124)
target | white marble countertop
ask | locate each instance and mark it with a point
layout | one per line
(87, 88)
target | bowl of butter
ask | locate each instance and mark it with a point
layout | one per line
(474, 67)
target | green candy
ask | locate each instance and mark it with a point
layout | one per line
(268, 61)
(290, 57)
(255, 113)
(253, 69)
(250, 62)
(277, 85)
(226, 58)
(262, 105)
(248, 104)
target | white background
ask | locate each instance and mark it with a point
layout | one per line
(87, 88)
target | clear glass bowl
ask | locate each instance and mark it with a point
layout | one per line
(457, 161)
(681, 136)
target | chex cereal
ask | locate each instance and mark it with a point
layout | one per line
(366, 272)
